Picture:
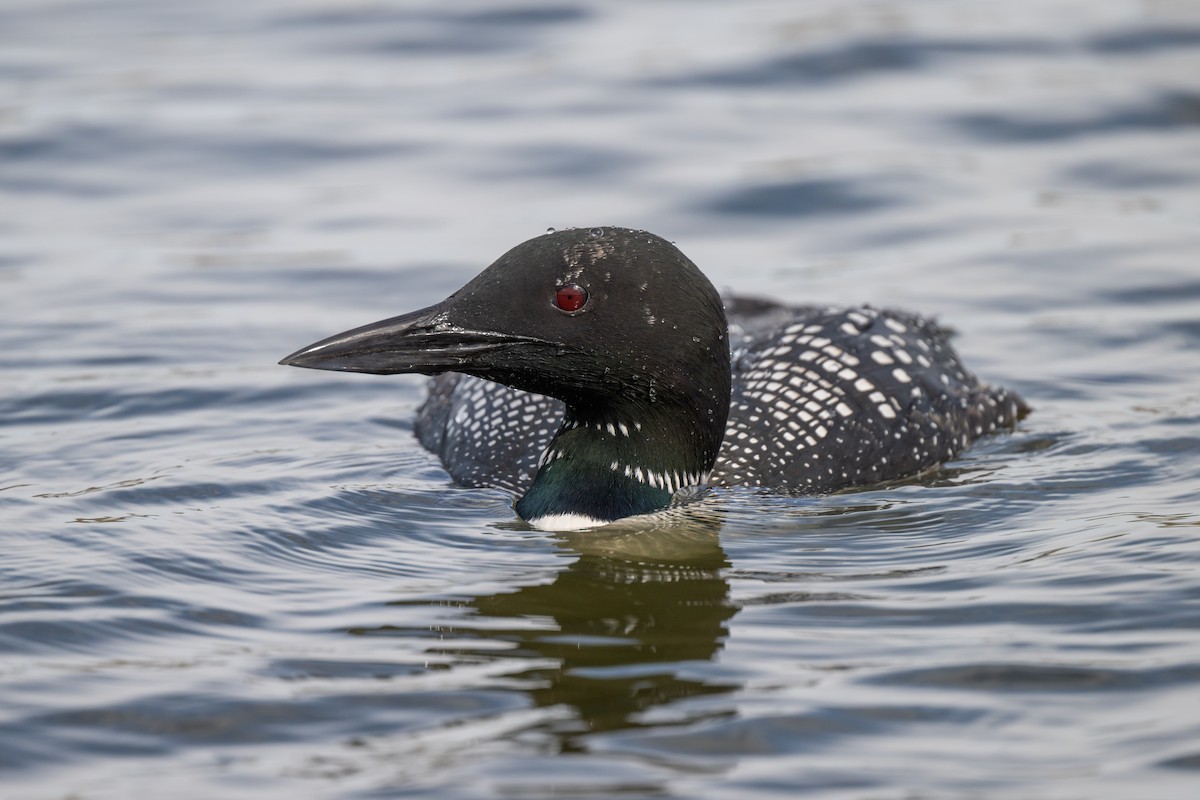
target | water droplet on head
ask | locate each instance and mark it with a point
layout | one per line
(596, 233)
(696, 339)
(551, 230)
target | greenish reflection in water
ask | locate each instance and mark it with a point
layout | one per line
(606, 639)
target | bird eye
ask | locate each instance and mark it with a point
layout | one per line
(571, 297)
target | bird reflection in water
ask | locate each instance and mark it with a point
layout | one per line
(628, 615)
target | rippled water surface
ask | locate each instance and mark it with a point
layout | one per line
(224, 578)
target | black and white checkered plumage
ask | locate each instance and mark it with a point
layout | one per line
(823, 399)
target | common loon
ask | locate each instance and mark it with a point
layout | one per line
(593, 373)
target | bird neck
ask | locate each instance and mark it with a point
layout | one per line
(602, 467)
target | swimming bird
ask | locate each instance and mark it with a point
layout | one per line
(597, 374)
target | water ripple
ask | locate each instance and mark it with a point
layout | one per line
(223, 578)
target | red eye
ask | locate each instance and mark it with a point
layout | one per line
(571, 297)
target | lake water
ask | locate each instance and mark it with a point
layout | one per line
(224, 578)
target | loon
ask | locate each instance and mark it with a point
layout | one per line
(597, 374)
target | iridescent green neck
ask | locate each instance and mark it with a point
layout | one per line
(601, 470)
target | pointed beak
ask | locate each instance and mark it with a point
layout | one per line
(424, 341)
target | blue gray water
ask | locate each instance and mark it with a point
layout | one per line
(224, 578)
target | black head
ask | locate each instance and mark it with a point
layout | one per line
(595, 317)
